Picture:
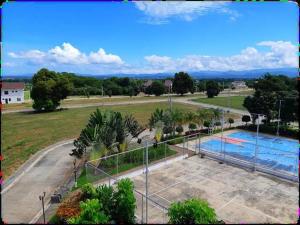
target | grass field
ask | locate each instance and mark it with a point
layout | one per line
(80, 100)
(26, 95)
(23, 134)
(235, 102)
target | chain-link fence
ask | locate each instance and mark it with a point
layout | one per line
(143, 165)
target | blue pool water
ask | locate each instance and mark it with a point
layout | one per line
(275, 152)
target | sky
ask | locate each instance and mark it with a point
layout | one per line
(148, 37)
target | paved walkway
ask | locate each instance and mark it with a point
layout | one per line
(46, 171)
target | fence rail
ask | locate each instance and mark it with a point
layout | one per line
(110, 169)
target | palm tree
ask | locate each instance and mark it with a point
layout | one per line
(107, 130)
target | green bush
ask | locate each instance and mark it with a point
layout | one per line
(192, 211)
(88, 191)
(272, 129)
(192, 126)
(124, 210)
(91, 213)
(104, 194)
(179, 129)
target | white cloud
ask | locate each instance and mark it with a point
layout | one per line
(102, 57)
(160, 12)
(278, 54)
(281, 54)
(67, 54)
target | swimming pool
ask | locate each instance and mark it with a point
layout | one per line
(274, 152)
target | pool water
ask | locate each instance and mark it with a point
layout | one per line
(275, 152)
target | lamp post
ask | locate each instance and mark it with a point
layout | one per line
(277, 133)
(75, 173)
(42, 197)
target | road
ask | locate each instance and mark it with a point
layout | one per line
(45, 171)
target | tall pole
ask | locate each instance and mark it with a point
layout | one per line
(222, 144)
(41, 197)
(256, 142)
(277, 133)
(75, 171)
(146, 182)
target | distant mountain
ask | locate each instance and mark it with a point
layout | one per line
(245, 74)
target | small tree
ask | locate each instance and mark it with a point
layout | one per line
(192, 211)
(109, 93)
(212, 88)
(206, 123)
(230, 121)
(157, 88)
(124, 202)
(179, 129)
(192, 126)
(246, 119)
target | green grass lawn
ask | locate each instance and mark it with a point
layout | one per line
(80, 100)
(236, 102)
(26, 95)
(23, 134)
(126, 161)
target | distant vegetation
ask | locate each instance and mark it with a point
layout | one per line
(269, 90)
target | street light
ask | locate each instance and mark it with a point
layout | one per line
(75, 172)
(277, 133)
(41, 197)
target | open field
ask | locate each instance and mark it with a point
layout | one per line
(235, 102)
(81, 100)
(23, 134)
(26, 95)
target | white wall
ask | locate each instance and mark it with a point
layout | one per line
(13, 95)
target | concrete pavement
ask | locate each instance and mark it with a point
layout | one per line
(20, 196)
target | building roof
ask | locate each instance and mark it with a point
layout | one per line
(168, 83)
(12, 85)
(148, 83)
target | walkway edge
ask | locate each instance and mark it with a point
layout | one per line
(30, 163)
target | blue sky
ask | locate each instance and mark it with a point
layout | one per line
(148, 37)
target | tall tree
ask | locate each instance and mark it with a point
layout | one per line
(183, 83)
(48, 89)
(157, 88)
(212, 88)
(269, 90)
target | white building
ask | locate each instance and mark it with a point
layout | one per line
(12, 92)
(238, 84)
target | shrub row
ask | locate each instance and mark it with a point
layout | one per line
(272, 129)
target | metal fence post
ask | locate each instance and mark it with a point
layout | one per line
(142, 209)
(146, 181)
(117, 164)
(256, 146)
(165, 152)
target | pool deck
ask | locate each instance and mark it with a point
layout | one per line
(237, 195)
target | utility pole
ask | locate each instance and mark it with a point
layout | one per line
(146, 182)
(75, 172)
(277, 133)
(42, 197)
(170, 98)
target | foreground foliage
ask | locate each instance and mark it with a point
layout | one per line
(106, 205)
(192, 211)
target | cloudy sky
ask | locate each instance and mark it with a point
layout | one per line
(148, 37)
